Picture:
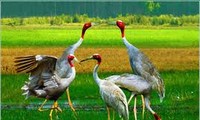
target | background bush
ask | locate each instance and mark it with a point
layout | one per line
(129, 19)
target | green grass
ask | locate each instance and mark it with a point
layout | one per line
(181, 98)
(166, 114)
(146, 38)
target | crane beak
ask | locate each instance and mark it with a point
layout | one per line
(93, 24)
(76, 60)
(89, 58)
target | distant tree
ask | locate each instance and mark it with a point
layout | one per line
(152, 6)
(76, 18)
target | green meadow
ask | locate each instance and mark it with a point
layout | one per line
(146, 38)
(181, 98)
(182, 86)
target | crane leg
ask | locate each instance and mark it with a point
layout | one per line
(113, 115)
(51, 111)
(40, 108)
(108, 110)
(143, 107)
(129, 100)
(135, 109)
(146, 99)
(69, 100)
(70, 103)
(56, 108)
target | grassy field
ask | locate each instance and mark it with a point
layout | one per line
(145, 38)
(174, 52)
(181, 97)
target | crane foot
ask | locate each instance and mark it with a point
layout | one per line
(156, 116)
(41, 110)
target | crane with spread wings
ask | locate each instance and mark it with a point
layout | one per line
(44, 81)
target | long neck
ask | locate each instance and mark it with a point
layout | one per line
(95, 74)
(122, 32)
(127, 44)
(83, 32)
(70, 50)
(77, 44)
(67, 81)
(73, 47)
(125, 41)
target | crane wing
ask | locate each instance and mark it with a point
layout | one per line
(141, 65)
(115, 78)
(147, 70)
(113, 96)
(40, 67)
(112, 78)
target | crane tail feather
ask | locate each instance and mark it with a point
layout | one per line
(25, 90)
(26, 57)
(24, 63)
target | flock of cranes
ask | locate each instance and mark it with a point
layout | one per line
(50, 77)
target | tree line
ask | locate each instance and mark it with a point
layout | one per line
(129, 19)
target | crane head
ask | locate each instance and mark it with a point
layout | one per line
(85, 27)
(121, 26)
(70, 58)
(95, 57)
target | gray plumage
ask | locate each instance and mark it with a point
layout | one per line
(44, 81)
(63, 69)
(133, 83)
(113, 96)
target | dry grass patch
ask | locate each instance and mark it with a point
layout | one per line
(114, 59)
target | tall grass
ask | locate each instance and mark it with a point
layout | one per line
(145, 38)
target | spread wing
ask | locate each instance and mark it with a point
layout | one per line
(40, 67)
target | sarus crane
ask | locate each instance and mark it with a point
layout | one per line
(142, 66)
(137, 85)
(111, 94)
(46, 84)
(62, 69)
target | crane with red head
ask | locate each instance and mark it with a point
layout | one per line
(111, 94)
(141, 65)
